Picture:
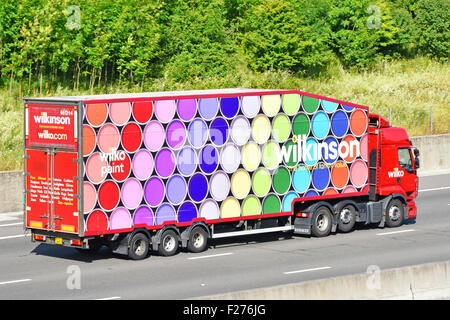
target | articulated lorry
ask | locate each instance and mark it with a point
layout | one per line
(167, 170)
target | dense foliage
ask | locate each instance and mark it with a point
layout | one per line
(101, 42)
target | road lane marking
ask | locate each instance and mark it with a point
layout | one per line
(434, 189)
(394, 232)
(15, 281)
(211, 256)
(306, 270)
(15, 236)
(109, 298)
(11, 224)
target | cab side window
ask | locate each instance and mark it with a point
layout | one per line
(404, 159)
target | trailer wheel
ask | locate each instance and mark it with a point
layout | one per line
(322, 222)
(347, 218)
(169, 243)
(394, 213)
(198, 240)
(139, 246)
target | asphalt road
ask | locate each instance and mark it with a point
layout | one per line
(41, 271)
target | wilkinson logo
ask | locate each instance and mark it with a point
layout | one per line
(45, 119)
(396, 173)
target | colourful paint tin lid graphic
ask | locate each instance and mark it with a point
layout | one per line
(281, 180)
(97, 221)
(251, 206)
(287, 201)
(131, 137)
(240, 130)
(198, 187)
(229, 107)
(251, 106)
(96, 114)
(261, 129)
(219, 186)
(320, 125)
(187, 211)
(165, 162)
(240, 184)
(108, 138)
(208, 108)
(364, 147)
(165, 212)
(301, 179)
(291, 103)
(120, 167)
(120, 219)
(165, 110)
(143, 164)
(321, 177)
(89, 197)
(230, 208)
(351, 149)
(143, 215)
(330, 191)
(154, 136)
(198, 133)
(230, 158)
(208, 159)
(219, 131)
(108, 195)
(89, 140)
(154, 191)
(142, 111)
(312, 157)
(176, 189)
(339, 124)
(261, 182)
(301, 125)
(281, 128)
(271, 204)
(271, 104)
(347, 108)
(329, 106)
(358, 122)
(289, 154)
(340, 175)
(331, 153)
(176, 134)
(96, 168)
(187, 108)
(311, 193)
(349, 189)
(251, 156)
(187, 161)
(358, 173)
(310, 104)
(209, 209)
(120, 112)
(270, 153)
(132, 193)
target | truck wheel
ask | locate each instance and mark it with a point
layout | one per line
(139, 246)
(347, 218)
(394, 213)
(169, 243)
(322, 222)
(198, 240)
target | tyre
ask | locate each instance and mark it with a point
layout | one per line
(347, 218)
(198, 240)
(322, 222)
(138, 247)
(169, 243)
(394, 213)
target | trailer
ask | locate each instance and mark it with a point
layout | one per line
(162, 170)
